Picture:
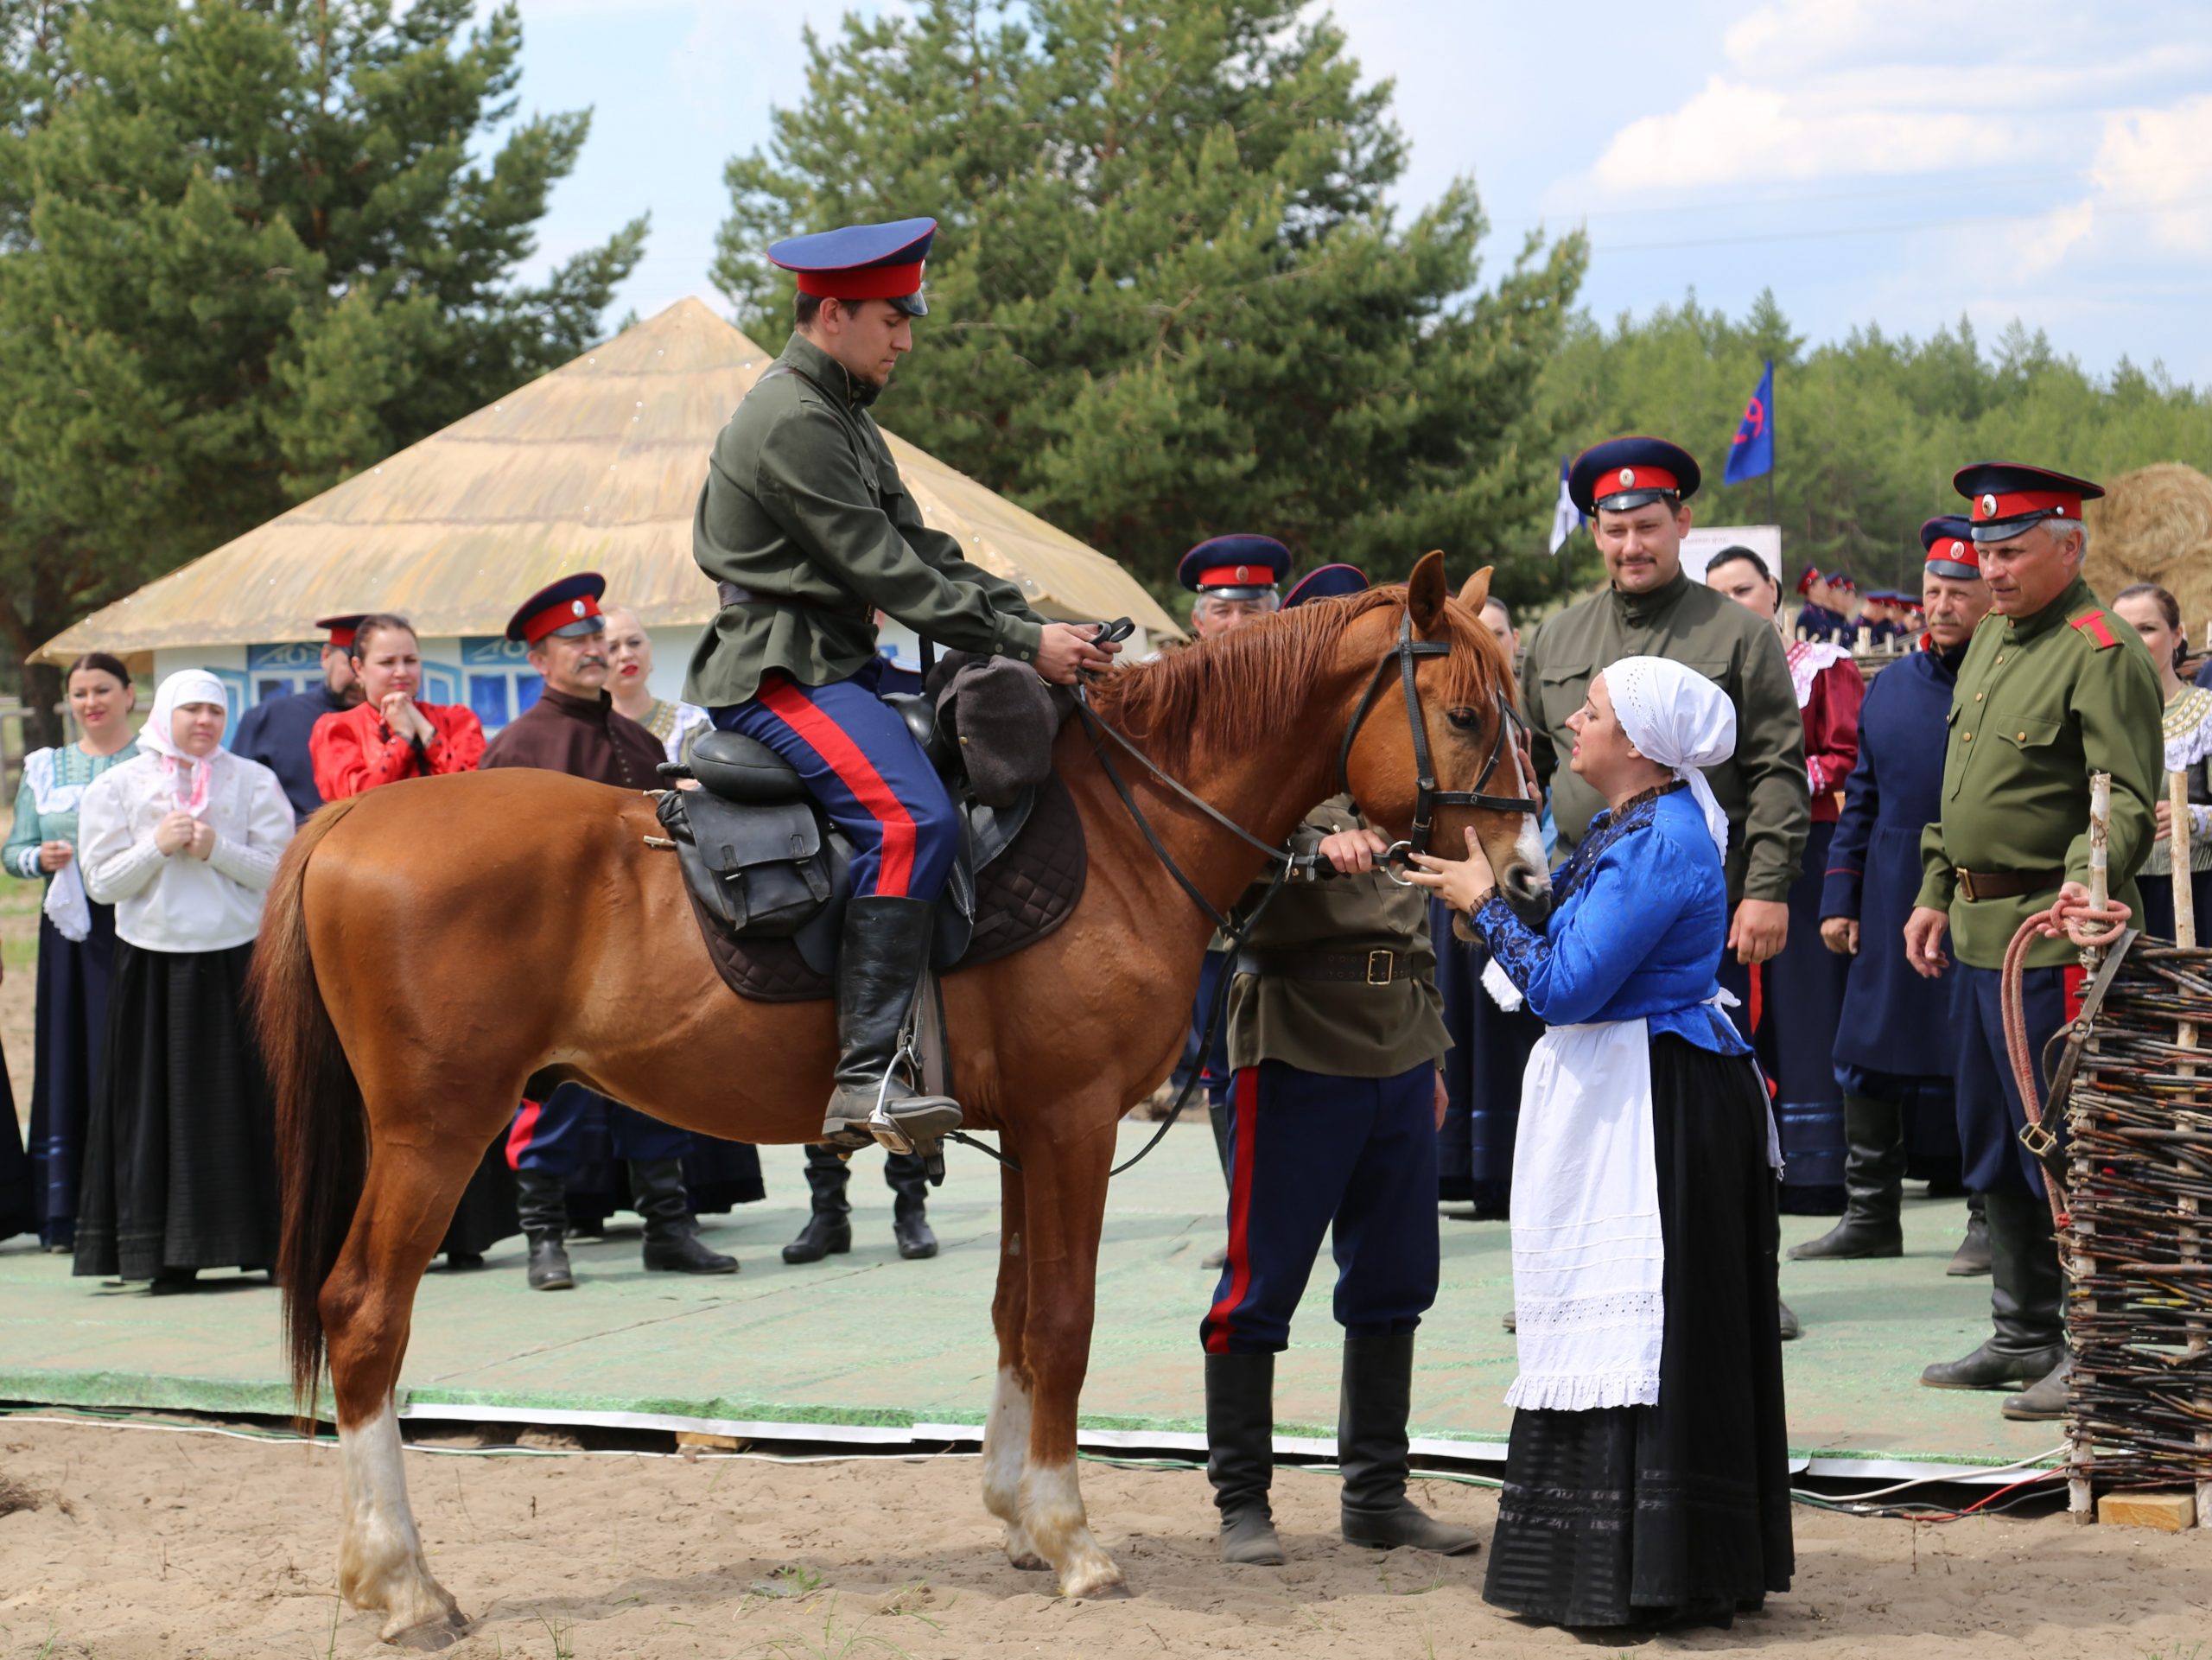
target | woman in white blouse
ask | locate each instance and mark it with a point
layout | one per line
(179, 1163)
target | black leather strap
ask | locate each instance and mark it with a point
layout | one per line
(1377, 967)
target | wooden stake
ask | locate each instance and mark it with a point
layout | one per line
(2185, 1035)
(2080, 1502)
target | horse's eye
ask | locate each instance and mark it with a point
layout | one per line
(1465, 719)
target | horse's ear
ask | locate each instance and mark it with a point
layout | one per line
(1475, 594)
(1426, 592)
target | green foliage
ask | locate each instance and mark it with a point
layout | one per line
(1168, 298)
(1868, 430)
(244, 251)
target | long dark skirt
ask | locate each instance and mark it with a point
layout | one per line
(2159, 905)
(15, 1212)
(718, 1176)
(180, 1154)
(1481, 1076)
(70, 1051)
(487, 1212)
(1680, 1509)
(1800, 1001)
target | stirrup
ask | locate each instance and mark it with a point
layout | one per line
(889, 1133)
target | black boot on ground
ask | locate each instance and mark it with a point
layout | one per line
(910, 1221)
(1377, 1396)
(828, 1231)
(880, 966)
(542, 1204)
(672, 1242)
(2029, 1337)
(2043, 1401)
(1873, 1186)
(1972, 1257)
(1240, 1455)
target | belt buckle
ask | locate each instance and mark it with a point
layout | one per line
(2040, 1142)
(1965, 886)
(1389, 962)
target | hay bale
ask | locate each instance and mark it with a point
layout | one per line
(2155, 525)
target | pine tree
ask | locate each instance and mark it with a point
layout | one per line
(1169, 298)
(244, 251)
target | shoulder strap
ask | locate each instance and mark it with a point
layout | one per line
(2094, 627)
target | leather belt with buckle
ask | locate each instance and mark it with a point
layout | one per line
(1978, 885)
(1377, 967)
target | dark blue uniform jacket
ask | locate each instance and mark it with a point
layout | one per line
(276, 734)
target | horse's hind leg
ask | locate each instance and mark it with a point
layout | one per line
(1005, 1433)
(367, 1304)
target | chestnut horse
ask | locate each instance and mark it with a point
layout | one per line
(430, 946)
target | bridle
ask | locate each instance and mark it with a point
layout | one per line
(1426, 797)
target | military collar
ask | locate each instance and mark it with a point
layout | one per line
(567, 704)
(1948, 660)
(1642, 610)
(828, 376)
(2075, 596)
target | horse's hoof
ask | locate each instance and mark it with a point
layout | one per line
(1111, 1591)
(432, 1635)
(1027, 1561)
(1104, 1586)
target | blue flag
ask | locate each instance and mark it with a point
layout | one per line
(1751, 453)
(1567, 518)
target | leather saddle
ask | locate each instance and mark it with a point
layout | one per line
(768, 875)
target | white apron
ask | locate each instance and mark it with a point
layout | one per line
(67, 906)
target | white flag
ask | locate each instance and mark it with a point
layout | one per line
(1567, 518)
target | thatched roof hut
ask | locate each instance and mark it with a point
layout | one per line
(2155, 525)
(595, 466)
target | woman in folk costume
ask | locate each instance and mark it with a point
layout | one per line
(1646, 1481)
(76, 938)
(1797, 998)
(385, 737)
(629, 675)
(2155, 614)
(388, 735)
(180, 1159)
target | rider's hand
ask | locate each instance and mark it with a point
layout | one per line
(1840, 935)
(1065, 650)
(1353, 852)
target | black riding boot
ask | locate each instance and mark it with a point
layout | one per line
(1372, 1450)
(1240, 1455)
(828, 1231)
(1873, 1186)
(2030, 1339)
(879, 967)
(542, 1204)
(1972, 1257)
(673, 1244)
(909, 1222)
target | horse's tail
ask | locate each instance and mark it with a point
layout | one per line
(322, 1127)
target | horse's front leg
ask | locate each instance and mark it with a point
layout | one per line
(1064, 1188)
(1005, 1433)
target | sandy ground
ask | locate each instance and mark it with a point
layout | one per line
(150, 1544)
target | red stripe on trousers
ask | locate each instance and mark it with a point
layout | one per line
(895, 868)
(521, 1132)
(1240, 1209)
(2077, 980)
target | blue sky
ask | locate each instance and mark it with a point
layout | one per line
(1898, 162)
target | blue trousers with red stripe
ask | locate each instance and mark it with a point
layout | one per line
(1309, 1153)
(548, 1134)
(1991, 1115)
(860, 762)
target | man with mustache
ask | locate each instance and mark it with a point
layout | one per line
(574, 728)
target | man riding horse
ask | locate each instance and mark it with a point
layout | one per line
(808, 532)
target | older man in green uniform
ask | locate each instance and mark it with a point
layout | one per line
(2052, 689)
(808, 532)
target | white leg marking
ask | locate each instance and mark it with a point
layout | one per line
(1006, 1450)
(1052, 1506)
(380, 1561)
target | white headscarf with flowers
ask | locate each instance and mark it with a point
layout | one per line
(188, 776)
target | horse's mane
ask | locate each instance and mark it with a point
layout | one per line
(1245, 688)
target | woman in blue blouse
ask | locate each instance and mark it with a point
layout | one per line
(76, 938)
(1647, 1479)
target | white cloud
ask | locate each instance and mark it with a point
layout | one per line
(2159, 163)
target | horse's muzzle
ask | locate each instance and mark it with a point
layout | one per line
(1527, 892)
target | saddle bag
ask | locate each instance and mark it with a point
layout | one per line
(762, 868)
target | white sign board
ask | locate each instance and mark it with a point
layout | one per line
(1706, 540)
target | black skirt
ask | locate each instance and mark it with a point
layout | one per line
(15, 1214)
(1801, 1004)
(74, 975)
(180, 1154)
(1680, 1510)
(487, 1212)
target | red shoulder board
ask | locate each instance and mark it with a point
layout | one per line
(2093, 624)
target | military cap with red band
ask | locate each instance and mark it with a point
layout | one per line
(1805, 583)
(1623, 475)
(861, 262)
(341, 628)
(1239, 567)
(569, 607)
(1948, 541)
(1327, 582)
(2008, 498)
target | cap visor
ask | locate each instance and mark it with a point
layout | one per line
(913, 304)
(1627, 501)
(581, 626)
(1260, 592)
(1955, 570)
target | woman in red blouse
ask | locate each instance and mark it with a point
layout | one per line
(388, 735)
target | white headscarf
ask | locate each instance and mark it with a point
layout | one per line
(1677, 718)
(189, 778)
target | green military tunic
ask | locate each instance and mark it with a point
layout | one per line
(1341, 1028)
(2041, 705)
(1763, 787)
(803, 514)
